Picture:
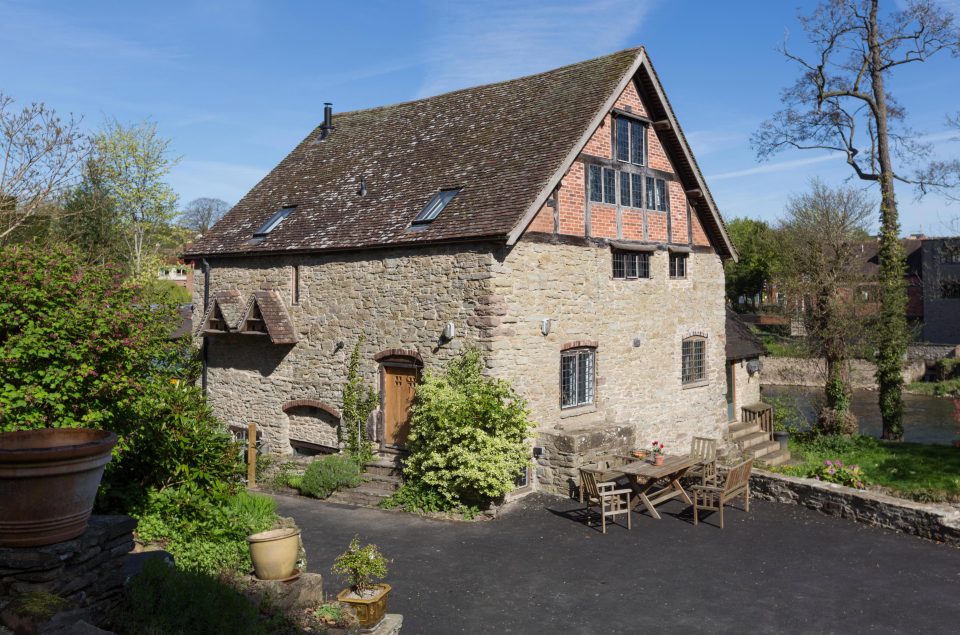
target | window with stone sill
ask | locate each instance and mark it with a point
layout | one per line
(693, 360)
(631, 265)
(577, 379)
(678, 266)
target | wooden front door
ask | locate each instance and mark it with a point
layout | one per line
(399, 386)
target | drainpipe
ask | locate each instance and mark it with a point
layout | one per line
(206, 303)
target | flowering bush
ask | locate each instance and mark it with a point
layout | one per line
(361, 565)
(837, 472)
(657, 448)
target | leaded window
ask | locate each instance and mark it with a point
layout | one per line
(678, 265)
(624, 189)
(577, 377)
(638, 134)
(596, 185)
(631, 264)
(694, 362)
(609, 186)
(623, 139)
(629, 142)
(637, 190)
(661, 195)
(651, 193)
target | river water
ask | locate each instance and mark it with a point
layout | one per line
(925, 419)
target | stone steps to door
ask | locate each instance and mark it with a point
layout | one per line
(388, 484)
(740, 430)
(753, 439)
(778, 457)
(761, 449)
(363, 496)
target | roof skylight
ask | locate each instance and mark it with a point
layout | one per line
(274, 221)
(436, 205)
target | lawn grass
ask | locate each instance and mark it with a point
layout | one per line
(935, 388)
(926, 473)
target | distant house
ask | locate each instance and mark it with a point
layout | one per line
(941, 290)
(558, 221)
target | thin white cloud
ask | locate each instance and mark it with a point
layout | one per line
(478, 43)
(768, 168)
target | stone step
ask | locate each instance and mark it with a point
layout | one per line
(778, 457)
(363, 496)
(761, 449)
(385, 466)
(738, 430)
(388, 484)
(752, 439)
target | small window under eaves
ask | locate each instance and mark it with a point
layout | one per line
(274, 221)
(436, 205)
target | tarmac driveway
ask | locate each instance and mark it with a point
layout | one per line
(538, 569)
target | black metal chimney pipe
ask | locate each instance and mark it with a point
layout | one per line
(327, 124)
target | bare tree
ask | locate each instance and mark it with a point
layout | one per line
(820, 238)
(39, 157)
(201, 213)
(841, 103)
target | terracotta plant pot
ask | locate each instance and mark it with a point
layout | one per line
(369, 610)
(640, 454)
(274, 553)
(48, 482)
(658, 459)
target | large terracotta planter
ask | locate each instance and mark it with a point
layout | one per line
(369, 610)
(48, 483)
(274, 553)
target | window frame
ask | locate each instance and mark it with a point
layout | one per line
(638, 257)
(693, 376)
(676, 257)
(589, 386)
(629, 142)
(435, 206)
(274, 221)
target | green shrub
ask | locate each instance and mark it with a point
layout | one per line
(205, 531)
(163, 600)
(786, 413)
(358, 402)
(834, 471)
(414, 496)
(362, 566)
(329, 474)
(468, 434)
(77, 345)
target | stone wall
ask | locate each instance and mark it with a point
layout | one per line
(794, 371)
(86, 571)
(932, 521)
(393, 298)
(932, 353)
(747, 385)
(638, 326)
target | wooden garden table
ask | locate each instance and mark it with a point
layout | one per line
(645, 475)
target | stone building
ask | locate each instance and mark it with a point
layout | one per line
(558, 221)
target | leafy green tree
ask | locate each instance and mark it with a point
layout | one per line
(78, 346)
(132, 163)
(756, 243)
(821, 237)
(89, 221)
(842, 102)
(468, 434)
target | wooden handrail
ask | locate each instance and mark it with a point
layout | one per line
(760, 412)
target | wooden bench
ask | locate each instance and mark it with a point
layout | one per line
(711, 497)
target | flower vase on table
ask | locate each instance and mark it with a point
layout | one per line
(656, 454)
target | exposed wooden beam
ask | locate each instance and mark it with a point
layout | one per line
(695, 193)
(663, 124)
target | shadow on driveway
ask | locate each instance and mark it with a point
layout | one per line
(539, 569)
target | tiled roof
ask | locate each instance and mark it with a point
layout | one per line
(224, 304)
(274, 314)
(741, 342)
(502, 143)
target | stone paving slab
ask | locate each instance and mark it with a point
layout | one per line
(538, 569)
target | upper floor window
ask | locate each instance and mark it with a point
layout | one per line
(603, 185)
(577, 377)
(656, 194)
(273, 222)
(678, 266)
(630, 140)
(435, 205)
(631, 189)
(694, 360)
(631, 264)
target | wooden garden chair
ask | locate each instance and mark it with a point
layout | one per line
(610, 501)
(713, 497)
(706, 467)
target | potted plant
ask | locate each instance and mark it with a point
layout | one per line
(48, 482)
(362, 566)
(274, 553)
(657, 453)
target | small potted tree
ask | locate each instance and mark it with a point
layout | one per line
(363, 566)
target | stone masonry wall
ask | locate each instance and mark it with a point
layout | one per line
(393, 298)
(747, 386)
(638, 325)
(793, 371)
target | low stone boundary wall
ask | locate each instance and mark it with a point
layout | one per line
(86, 571)
(931, 353)
(564, 452)
(931, 521)
(798, 371)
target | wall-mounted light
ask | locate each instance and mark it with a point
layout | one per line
(546, 324)
(449, 331)
(754, 366)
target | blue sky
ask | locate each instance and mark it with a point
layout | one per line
(235, 84)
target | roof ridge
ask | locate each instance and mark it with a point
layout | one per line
(632, 49)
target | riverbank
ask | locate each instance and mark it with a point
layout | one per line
(798, 371)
